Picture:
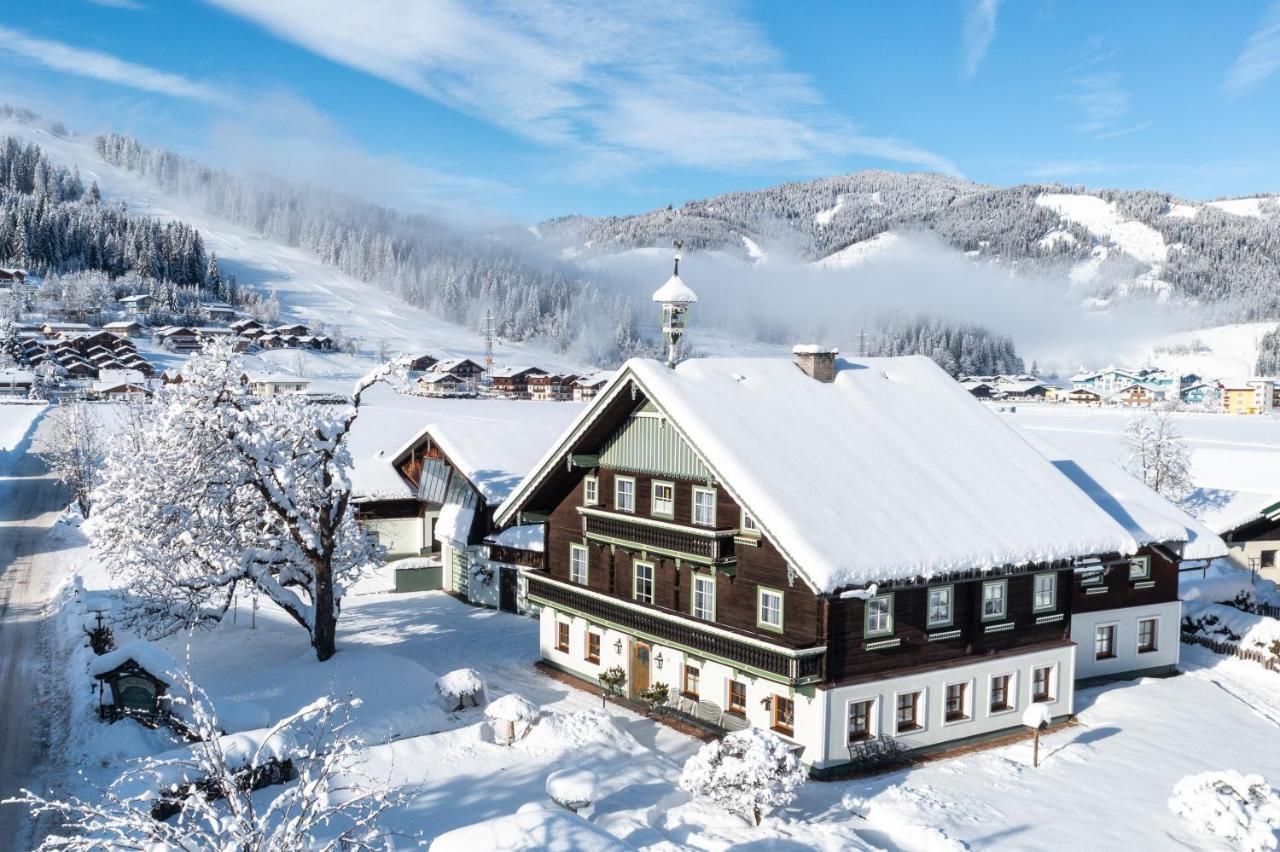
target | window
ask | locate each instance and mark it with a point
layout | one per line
(994, 599)
(663, 503)
(860, 720)
(1146, 635)
(908, 716)
(1000, 693)
(957, 707)
(737, 697)
(1140, 568)
(642, 587)
(1042, 684)
(562, 636)
(1091, 578)
(940, 606)
(748, 525)
(784, 714)
(624, 494)
(1045, 592)
(590, 491)
(879, 616)
(1268, 559)
(578, 564)
(593, 646)
(704, 597)
(692, 677)
(769, 614)
(1104, 641)
(704, 506)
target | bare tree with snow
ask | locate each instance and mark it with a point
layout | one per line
(1158, 456)
(327, 803)
(227, 490)
(75, 450)
(747, 772)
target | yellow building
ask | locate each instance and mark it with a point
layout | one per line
(1240, 398)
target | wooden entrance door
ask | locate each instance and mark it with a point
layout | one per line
(639, 668)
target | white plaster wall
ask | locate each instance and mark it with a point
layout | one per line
(400, 536)
(832, 746)
(1127, 658)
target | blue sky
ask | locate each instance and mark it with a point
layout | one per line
(532, 109)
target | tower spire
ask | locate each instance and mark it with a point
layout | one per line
(675, 297)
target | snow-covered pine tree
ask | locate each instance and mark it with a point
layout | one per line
(1158, 456)
(221, 490)
(747, 772)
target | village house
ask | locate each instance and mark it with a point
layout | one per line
(124, 328)
(180, 339)
(460, 469)
(10, 277)
(121, 391)
(422, 363)
(587, 387)
(1248, 396)
(444, 385)
(138, 304)
(1253, 537)
(265, 385)
(16, 382)
(219, 311)
(557, 387)
(470, 373)
(1205, 395)
(979, 389)
(513, 382)
(712, 525)
(1138, 394)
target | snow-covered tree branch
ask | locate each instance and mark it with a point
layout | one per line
(1158, 456)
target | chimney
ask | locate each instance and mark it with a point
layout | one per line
(818, 362)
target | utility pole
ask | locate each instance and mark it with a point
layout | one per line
(488, 348)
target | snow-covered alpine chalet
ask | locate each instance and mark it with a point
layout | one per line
(839, 550)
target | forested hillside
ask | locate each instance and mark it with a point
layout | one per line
(1197, 252)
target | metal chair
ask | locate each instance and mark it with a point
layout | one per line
(734, 722)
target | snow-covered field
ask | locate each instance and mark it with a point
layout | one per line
(16, 421)
(1103, 784)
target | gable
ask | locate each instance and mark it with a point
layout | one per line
(646, 443)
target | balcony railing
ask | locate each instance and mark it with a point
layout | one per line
(806, 667)
(714, 547)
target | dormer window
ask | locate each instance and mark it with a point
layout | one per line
(748, 524)
(1140, 568)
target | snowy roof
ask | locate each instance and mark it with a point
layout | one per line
(594, 379)
(141, 297)
(16, 377)
(522, 537)
(494, 443)
(814, 349)
(120, 376)
(675, 290)
(448, 364)
(1011, 387)
(276, 379)
(146, 654)
(123, 324)
(892, 471)
(1148, 517)
(126, 387)
(436, 378)
(509, 371)
(534, 827)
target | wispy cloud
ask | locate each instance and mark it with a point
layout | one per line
(979, 30)
(103, 66)
(614, 86)
(1260, 58)
(1102, 104)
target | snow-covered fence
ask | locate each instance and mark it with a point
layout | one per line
(1270, 661)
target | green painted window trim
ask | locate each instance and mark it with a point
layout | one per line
(867, 632)
(617, 504)
(951, 606)
(1145, 561)
(653, 499)
(1004, 600)
(635, 581)
(586, 499)
(1053, 605)
(761, 591)
(693, 508)
(693, 595)
(586, 563)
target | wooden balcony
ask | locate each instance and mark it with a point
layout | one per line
(710, 547)
(804, 666)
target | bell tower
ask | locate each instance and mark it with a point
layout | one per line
(675, 297)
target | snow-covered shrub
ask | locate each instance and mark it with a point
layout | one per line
(746, 772)
(656, 695)
(459, 688)
(572, 789)
(511, 717)
(611, 681)
(1243, 810)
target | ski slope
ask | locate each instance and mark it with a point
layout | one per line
(310, 291)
